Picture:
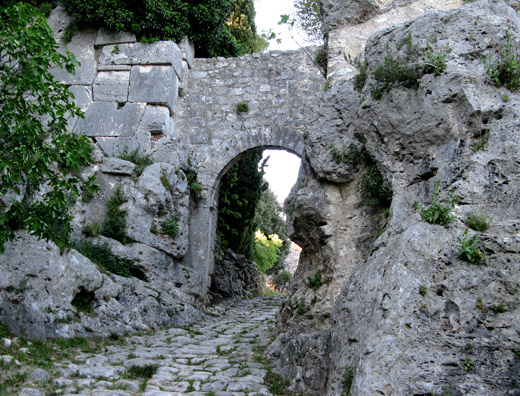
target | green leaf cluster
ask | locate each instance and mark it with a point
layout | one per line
(240, 191)
(266, 250)
(374, 189)
(39, 161)
(314, 282)
(469, 250)
(114, 225)
(438, 212)
(217, 27)
(170, 226)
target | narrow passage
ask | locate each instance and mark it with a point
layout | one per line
(217, 357)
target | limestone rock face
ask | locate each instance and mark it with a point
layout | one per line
(409, 316)
(40, 285)
(235, 276)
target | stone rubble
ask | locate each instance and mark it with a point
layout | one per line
(213, 357)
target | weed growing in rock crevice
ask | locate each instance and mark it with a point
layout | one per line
(469, 250)
(438, 212)
(349, 155)
(348, 378)
(504, 67)
(374, 189)
(170, 226)
(140, 160)
(115, 221)
(315, 282)
(102, 256)
(477, 221)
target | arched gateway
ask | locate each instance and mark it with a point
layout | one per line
(232, 107)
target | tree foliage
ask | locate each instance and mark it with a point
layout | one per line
(308, 18)
(40, 162)
(242, 26)
(266, 250)
(268, 218)
(217, 27)
(240, 190)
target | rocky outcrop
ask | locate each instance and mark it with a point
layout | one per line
(409, 316)
(234, 276)
(48, 293)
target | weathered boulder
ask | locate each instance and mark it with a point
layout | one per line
(48, 293)
(234, 276)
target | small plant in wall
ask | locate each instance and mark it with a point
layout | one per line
(170, 226)
(438, 212)
(315, 282)
(468, 249)
(373, 188)
(242, 107)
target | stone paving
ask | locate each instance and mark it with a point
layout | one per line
(216, 357)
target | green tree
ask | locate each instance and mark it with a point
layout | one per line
(268, 218)
(266, 250)
(39, 161)
(242, 26)
(240, 190)
(204, 21)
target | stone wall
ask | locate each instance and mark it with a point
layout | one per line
(155, 101)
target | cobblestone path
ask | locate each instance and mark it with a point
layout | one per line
(217, 357)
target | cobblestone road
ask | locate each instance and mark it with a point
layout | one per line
(217, 357)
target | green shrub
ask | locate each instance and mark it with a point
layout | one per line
(102, 256)
(477, 221)
(193, 185)
(203, 21)
(469, 250)
(394, 72)
(171, 226)
(315, 282)
(321, 58)
(115, 220)
(141, 161)
(242, 107)
(437, 212)
(345, 156)
(373, 188)
(504, 67)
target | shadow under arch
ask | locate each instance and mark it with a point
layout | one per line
(203, 222)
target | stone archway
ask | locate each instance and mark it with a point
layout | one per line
(203, 221)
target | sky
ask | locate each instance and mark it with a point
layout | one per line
(281, 172)
(267, 17)
(282, 168)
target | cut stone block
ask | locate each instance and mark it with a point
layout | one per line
(111, 86)
(82, 98)
(106, 36)
(154, 84)
(117, 166)
(188, 50)
(82, 46)
(156, 120)
(116, 146)
(183, 79)
(109, 119)
(158, 53)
